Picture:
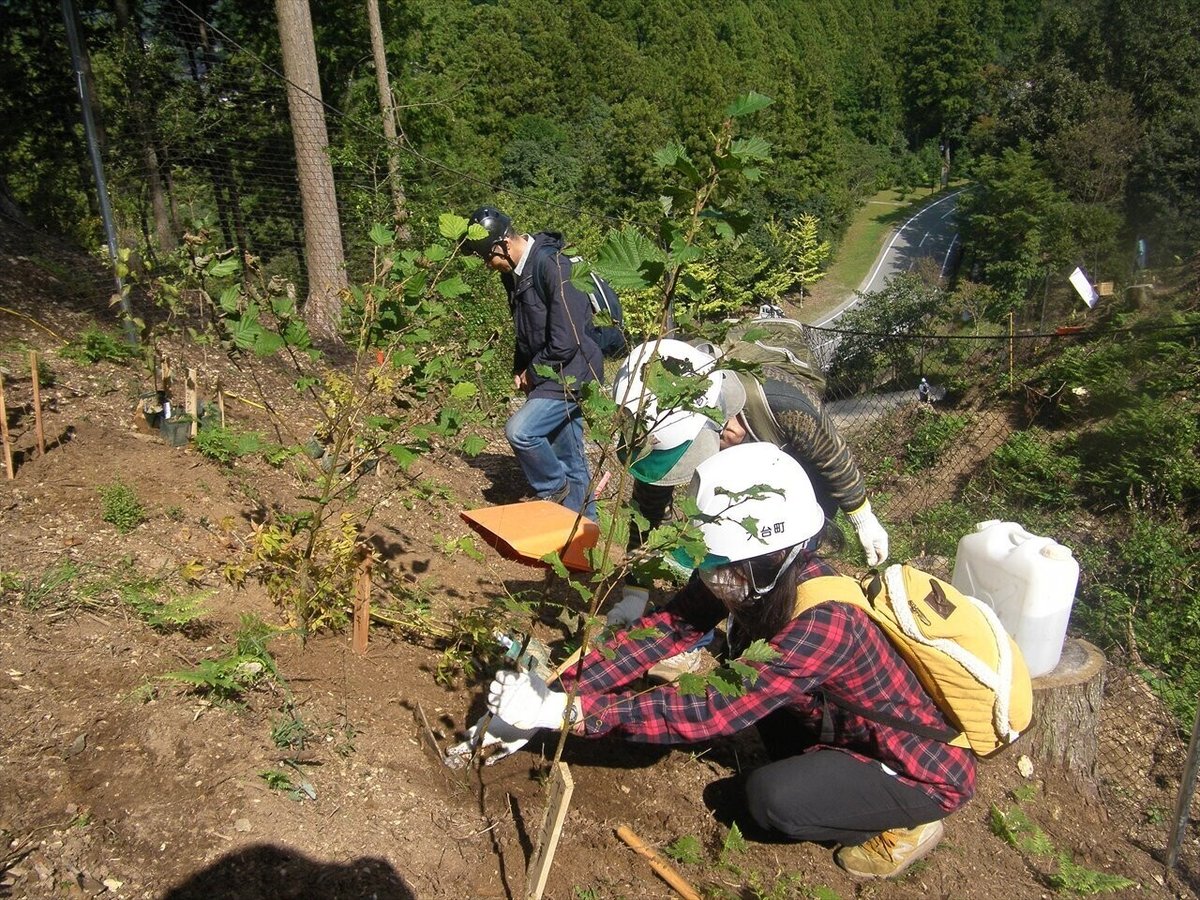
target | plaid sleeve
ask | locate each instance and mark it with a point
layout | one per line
(690, 615)
(832, 648)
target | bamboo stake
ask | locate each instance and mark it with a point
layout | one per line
(362, 605)
(8, 463)
(37, 403)
(191, 402)
(561, 788)
(661, 867)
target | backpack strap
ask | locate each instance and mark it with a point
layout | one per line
(844, 589)
(757, 412)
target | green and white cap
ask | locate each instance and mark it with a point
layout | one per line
(673, 442)
(753, 499)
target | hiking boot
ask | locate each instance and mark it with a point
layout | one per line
(560, 495)
(672, 667)
(890, 852)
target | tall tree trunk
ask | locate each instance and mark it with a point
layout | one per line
(318, 200)
(164, 234)
(387, 109)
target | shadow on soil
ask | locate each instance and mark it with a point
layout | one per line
(270, 872)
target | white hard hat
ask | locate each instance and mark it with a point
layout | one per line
(675, 440)
(753, 499)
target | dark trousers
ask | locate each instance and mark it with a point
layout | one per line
(827, 795)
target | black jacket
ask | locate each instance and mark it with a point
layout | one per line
(551, 317)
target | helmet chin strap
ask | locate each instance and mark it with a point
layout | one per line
(756, 591)
(500, 248)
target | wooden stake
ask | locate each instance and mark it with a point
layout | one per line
(362, 605)
(37, 403)
(165, 380)
(191, 403)
(8, 465)
(561, 788)
(661, 867)
(221, 400)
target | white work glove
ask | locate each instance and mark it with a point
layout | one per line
(871, 535)
(630, 608)
(525, 701)
(501, 740)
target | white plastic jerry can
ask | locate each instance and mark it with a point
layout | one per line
(1028, 580)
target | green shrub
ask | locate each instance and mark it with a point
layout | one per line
(1031, 469)
(122, 506)
(1138, 592)
(930, 438)
(1149, 451)
(224, 445)
(94, 345)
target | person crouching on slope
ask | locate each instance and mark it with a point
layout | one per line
(878, 790)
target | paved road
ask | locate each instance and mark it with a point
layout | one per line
(932, 232)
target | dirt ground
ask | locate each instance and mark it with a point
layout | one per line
(116, 783)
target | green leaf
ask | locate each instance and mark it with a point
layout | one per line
(381, 235)
(692, 685)
(629, 260)
(282, 305)
(748, 674)
(229, 298)
(436, 253)
(644, 634)
(454, 227)
(453, 287)
(463, 389)
(685, 850)
(268, 342)
(403, 456)
(750, 148)
(230, 265)
(760, 652)
(473, 445)
(746, 104)
(554, 561)
(666, 157)
(725, 687)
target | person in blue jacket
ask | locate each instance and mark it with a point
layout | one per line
(552, 319)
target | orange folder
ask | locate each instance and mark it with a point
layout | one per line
(528, 531)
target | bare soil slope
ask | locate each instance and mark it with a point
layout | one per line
(115, 783)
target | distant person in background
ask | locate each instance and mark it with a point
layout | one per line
(552, 319)
(923, 395)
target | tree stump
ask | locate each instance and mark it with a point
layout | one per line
(1066, 715)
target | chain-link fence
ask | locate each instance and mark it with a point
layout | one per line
(1085, 437)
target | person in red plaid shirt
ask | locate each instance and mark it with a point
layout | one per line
(874, 787)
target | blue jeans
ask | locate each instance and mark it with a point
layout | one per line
(546, 435)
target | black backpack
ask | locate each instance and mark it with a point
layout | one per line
(610, 337)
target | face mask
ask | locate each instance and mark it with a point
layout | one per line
(736, 583)
(727, 583)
